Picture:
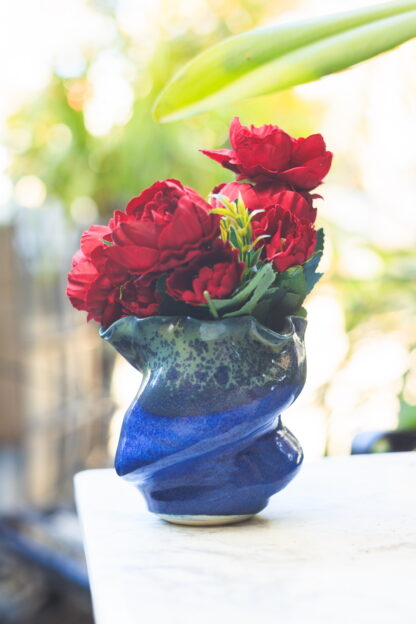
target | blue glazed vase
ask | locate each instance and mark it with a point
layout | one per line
(203, 440)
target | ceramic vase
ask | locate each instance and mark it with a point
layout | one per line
(203, 439)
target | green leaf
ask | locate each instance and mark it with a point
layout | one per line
(267, 311)
(262, 288)
(312, 276)
(233, 238)
(288, 299)
(211, 306)
(277, 57)
(290, 304)
(309, 268)
(320, 240)
(262, 280)
(293, 281)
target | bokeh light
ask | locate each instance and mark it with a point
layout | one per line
(30, 192)
(84, 211)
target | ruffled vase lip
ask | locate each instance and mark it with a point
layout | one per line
(295, 325)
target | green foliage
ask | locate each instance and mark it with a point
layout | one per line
(309, 268)
(390, 294)
(242, 302)
(270, 59)
(291, 289)
(246, 301)
(267, 295)
(264, 294)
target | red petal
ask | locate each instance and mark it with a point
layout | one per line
(310, 174)
(270, 155)
(296, 204)
(307, 149)
(92, 238)
(225, 157)
(140, 259)
(185, 228)
(136, 205)
(140, 233)
(78, 257)
(236, 129)
(117, 218)
(80, 279)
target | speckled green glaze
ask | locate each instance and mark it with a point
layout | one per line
(238, 359)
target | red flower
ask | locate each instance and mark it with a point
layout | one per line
(103, 298)
(291, 241)
(94, 286)
(94, 281)
(261, 196)
(93, 238)
(268, 154)
(218, 271)
(80, 278)
(165, 226)
(140, 297)
(106, 291)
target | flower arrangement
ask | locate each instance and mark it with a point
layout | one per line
(253, 250)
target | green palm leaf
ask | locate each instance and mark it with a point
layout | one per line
(270, 59)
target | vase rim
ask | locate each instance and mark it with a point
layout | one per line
(288, 321)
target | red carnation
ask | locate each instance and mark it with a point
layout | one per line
(261, 196)
(218, 271)
(102, 298)
(268, 154)
(291, 241)
(165, 226)
(106, 291)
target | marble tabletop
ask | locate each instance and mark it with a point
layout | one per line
(337, 546)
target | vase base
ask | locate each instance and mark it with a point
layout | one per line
(204, 520)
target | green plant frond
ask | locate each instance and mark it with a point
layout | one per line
(279, 56)
(223, 212)
(235, 228)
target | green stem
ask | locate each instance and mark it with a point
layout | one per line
(211, 306)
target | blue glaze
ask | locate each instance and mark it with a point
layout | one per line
(199, 442)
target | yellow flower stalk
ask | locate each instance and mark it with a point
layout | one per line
(235, 229)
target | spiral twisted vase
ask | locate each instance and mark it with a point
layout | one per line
(203, 439)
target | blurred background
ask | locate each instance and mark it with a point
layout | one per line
(77, 141)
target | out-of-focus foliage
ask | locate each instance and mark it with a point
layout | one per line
(379, 296)
(75, 158)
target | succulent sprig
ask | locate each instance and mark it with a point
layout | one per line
(235, 228)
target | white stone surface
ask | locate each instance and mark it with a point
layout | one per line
(337, 546)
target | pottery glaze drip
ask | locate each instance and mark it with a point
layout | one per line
(203, 439)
